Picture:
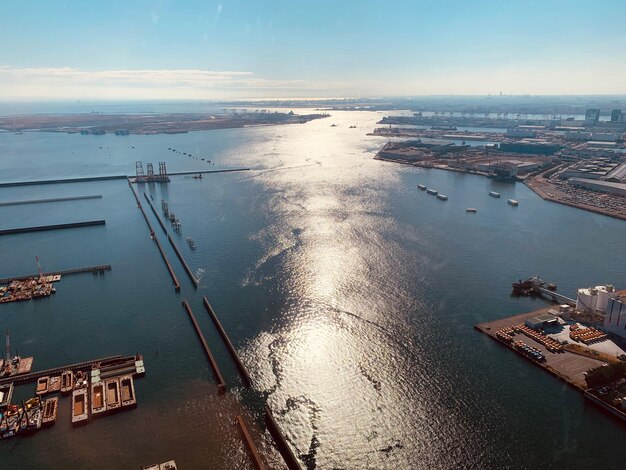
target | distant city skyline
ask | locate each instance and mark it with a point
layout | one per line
(230, 50)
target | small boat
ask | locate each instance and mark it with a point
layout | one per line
(432, 191)
(513, 202)
(112, 393)
(494, 194)
(50, 410)
(42, 385)
(98, 403)
(55, 384)
(127, 391)
(191, 243)
(80, 409)
(81, 380)
(443, 197)
(198, 176)
(470, 209)
(422, 187)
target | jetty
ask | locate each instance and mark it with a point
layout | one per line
(89, 269)
(52, 199)
(42, 228)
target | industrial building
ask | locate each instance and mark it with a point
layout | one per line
(596, 169)
(617, 115)
(615, 316)
(618, 189)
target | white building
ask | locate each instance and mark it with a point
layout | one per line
(591, 299)
(615, 316)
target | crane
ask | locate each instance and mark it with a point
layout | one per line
(39, 270)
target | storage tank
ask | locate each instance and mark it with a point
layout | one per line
(587, 300)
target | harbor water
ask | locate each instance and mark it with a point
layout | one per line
(349, 294)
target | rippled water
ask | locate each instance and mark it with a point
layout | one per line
(350, 295)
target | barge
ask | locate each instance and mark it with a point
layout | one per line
(112, 393)
(432, 191)
(494, 194)
(55, 384)
(98, 403)
(513, 202)
(80, 408)
(50, 410)
(42, 385)
(443, 197)
(67, 381)
(127, 391)
(422, 187)
(471, 209)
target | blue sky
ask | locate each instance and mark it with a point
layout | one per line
(243, 49)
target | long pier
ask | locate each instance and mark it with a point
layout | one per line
(221, 385)
(52, 199)
(229, 345)
(155, 239)
(89, 269)
(63, 180)
(556, 297)
(33, 376)
(254, 453)
(41, 228)
(176, 250)
(281, 443)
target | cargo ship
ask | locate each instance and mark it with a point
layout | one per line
(494, 194)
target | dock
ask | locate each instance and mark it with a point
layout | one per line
(566, 365)
(174, 247)
(89, 269)
(156, 241)
(41, 228)
(63, 180)
(221, 385)
(53, 199)
(86, 365)
(229, 345)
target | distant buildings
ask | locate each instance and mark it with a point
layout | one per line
(617, 115)
(592, 115)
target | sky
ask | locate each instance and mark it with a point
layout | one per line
(60, 50)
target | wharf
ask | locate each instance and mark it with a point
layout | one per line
(41, 228)
(89, 269)
(566, 365)
(32, 377)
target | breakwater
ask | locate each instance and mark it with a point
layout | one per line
(42, 228)
(52, 199)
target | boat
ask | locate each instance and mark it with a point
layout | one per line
(513, 202)
(198, 176)
(443, 197)
(50, 410)
(333, 125)
(6, 393)
(494, 194)
(432, 191)
(42, 385)
(67, 381)
(352, 127)
(81, 380)
(470, 209)
(55, 384)
(422, 187)
(191, 243)
(127, 391)
(80, 408)
(98, 403)
(112, 393)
